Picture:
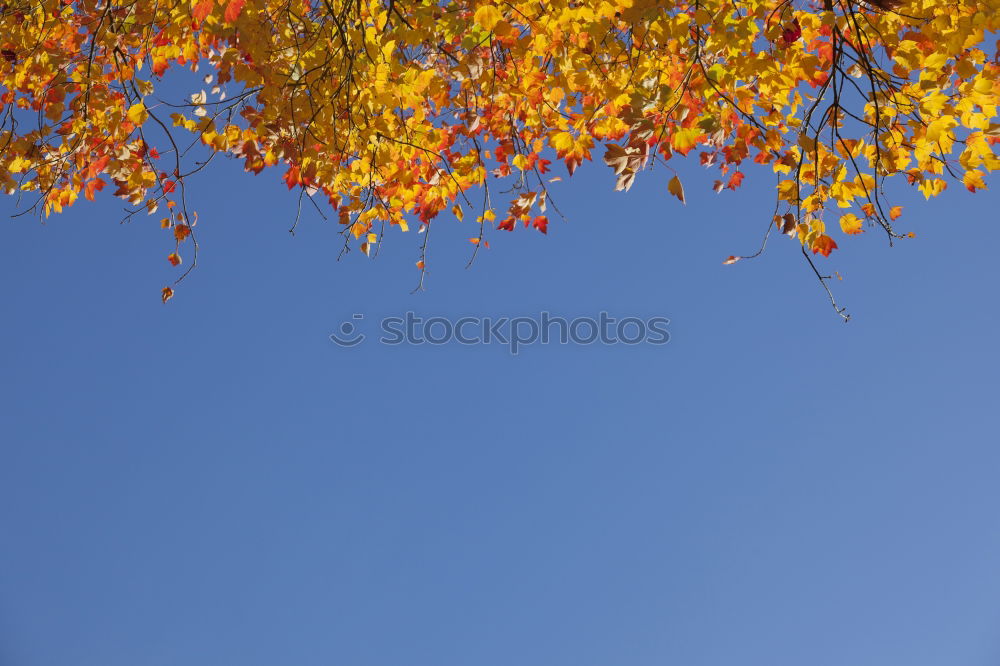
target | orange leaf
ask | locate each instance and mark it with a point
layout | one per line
(676, 189)
(731, 260)
(174, 259)
(166, 294)
(92, 186)
(824, 245)
(97, 166)
(181, 231)
(895, 212)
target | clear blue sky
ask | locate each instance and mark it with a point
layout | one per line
(213, 482)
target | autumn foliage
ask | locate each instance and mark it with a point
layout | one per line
(395, 114)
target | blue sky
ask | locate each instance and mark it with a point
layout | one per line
(212, 481)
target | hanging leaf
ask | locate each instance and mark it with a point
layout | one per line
(675, 188)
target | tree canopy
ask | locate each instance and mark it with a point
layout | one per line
(399, 113)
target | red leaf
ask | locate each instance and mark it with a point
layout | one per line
(428, 210)
(735, 180)
(233, 10)
(541, 223)
(792, 33)
(292, 177)
(169, 186)
(202, 10)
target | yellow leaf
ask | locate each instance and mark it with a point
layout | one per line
(487, 16)
(983, 85)
(137, 113)
(932, 187)
(684, 140)
(562, 142)
(19, 164)
(974, 180)
(940, 128)
(851, 224)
